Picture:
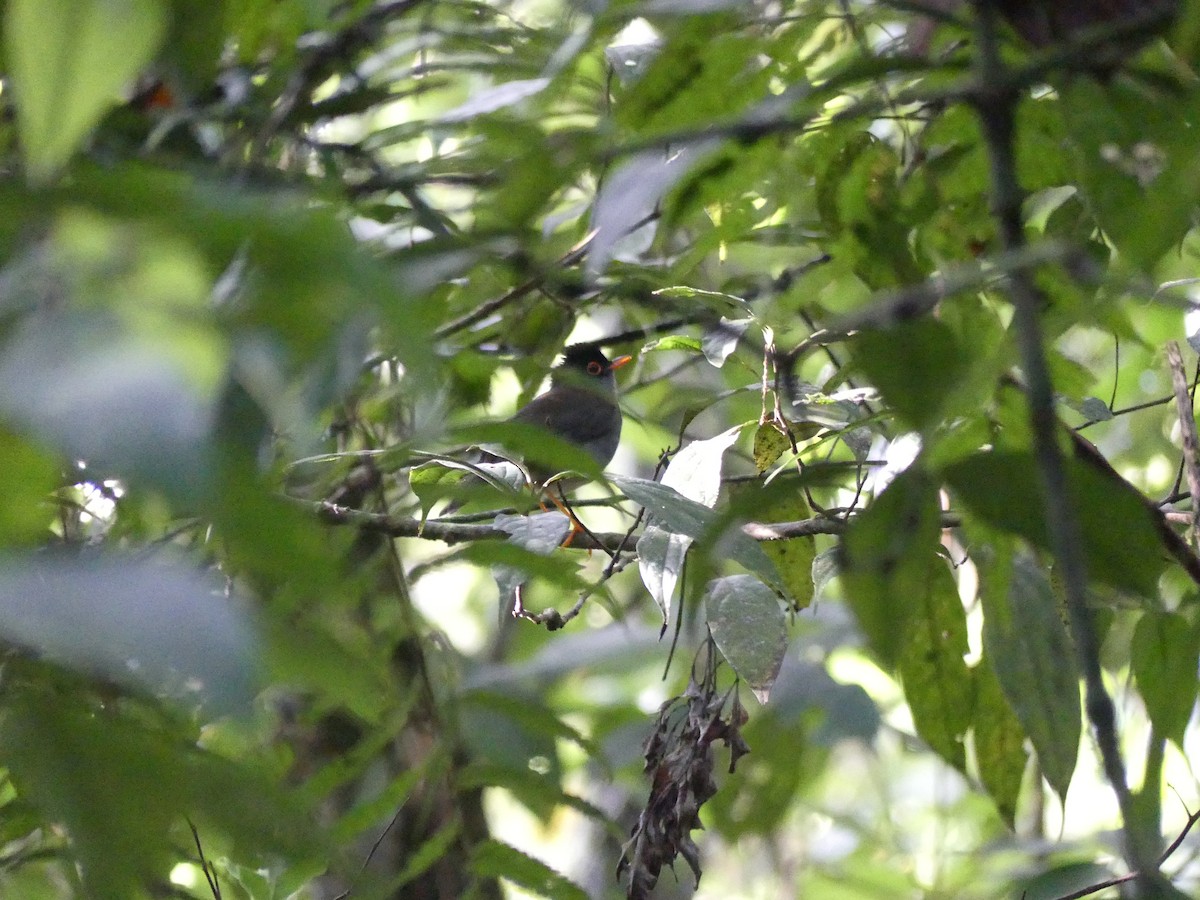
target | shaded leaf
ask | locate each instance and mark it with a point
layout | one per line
(1034, 660)
(999, 743)
(937, 683)
(889, 562)
(750, 629)
(687, 517)
(720, 341)
(1121, 541)
(158, 627)
(1164, 659)
(494, 859)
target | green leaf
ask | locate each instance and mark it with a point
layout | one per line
(793, 557)
(916, 366)
(749, 626)
(687, 517)
(69, 60)
(937, 683)
(118, 787)
(157, 627)
(1034, 660)
(27, 476)
(889, 562)
(672, 342)
(1120, 538)
(1164, 656)
(494, 859)
(999, 743)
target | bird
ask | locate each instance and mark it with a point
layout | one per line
(580, 408)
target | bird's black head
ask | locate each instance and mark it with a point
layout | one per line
(584, 363)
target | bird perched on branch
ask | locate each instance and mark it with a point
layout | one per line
(579, 409)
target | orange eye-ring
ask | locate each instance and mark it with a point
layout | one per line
(594, 368)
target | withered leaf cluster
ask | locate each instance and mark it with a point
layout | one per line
(679, 760)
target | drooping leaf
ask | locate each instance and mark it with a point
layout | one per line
(793, 557)
(1164, 660)
(999, 743)
(495, 859)
(769, 444)
(750, 629)
(889, 562)
(938, 686)
(1034, 661)
(661, 555)
(695, 473)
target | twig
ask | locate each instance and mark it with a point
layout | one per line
(995, 101)
(1187, 425)
(210, 874)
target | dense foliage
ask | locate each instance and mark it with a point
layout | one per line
(892, 586)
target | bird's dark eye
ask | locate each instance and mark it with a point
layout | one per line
(594, 368)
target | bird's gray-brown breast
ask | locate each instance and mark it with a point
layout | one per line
(584, 417)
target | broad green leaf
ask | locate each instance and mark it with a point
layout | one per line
(157, 626)
(1034, 660)
(69, 60)
(673, 342)
(938, 685)
(494, 859)
(749, 626)
(126, 405)
(999, 743)
(915, 365)
(1136, 165)
(1164, 659)
(1121, 541)
(889, 562)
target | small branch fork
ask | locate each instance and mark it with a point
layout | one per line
(1193, 818)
